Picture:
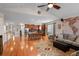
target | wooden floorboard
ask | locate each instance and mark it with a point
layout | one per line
(25, 47)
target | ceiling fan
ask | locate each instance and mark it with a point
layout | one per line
(50, 5)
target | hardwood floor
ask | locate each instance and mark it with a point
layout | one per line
(25, 47)
(19, 48)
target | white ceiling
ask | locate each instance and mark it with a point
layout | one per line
(27, 8)
(25, 13)
(67, 10)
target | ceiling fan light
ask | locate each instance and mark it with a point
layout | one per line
(50, 5)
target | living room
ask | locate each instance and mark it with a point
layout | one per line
(37, 29)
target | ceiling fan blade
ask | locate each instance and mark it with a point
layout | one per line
(56, 6)
(42, 5)
(47, 9)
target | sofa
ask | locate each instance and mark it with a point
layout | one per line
(71, 40)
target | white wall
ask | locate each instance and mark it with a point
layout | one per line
(1, 23)
(2, 31)
(66, 29)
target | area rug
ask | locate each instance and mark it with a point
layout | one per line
(44, 48)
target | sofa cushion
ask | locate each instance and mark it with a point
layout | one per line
(68, 41)
(77, 40)
(59, 39)
(65, 36)
(65, 40)
(72, 37)
(75, 44)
